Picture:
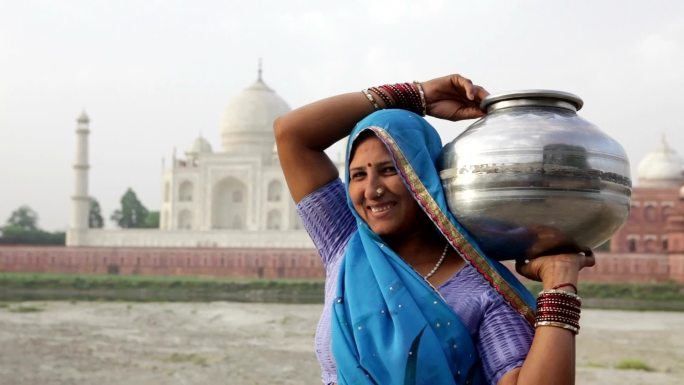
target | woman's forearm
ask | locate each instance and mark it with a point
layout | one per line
(551, 359)
(303, 134)
(320, 124)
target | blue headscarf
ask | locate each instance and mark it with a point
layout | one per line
(389, 325)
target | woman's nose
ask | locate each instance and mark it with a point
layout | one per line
(372, 188)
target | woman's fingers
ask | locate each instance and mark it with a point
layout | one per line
(545, 267)
(587, 259)
(480, 93)
(465, 84)
(473, 92)
(454, 97)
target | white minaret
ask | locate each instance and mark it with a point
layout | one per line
(80, 200)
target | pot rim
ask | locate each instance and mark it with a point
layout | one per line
(533, 97)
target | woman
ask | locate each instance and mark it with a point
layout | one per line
(410, 298)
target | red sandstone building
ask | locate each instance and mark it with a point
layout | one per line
(650, 246)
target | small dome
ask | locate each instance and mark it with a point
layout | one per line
(248, 119)
(199, 146)
(663, 164)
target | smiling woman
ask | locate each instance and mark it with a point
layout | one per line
(410, 297)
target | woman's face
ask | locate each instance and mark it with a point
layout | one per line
(394, 211)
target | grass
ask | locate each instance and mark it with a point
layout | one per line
(16, 287)
(631, 296)
(191, 358)
(72, 287)
(26, 309)
(633, 364)
(592, 364)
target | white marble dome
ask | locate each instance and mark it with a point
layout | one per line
(248, 119)
(199, 146)
(663, 164)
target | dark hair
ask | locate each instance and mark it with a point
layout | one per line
(360, 138)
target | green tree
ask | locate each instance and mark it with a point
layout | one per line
(152, 220)
(132, 213)
(95, 220)
(22, 228)
(24, 218)
(14, 235)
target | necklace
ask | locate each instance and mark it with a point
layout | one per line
(439, 263)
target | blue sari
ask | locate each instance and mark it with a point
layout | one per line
(389, 325)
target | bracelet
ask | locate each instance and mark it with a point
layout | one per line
(547, 310)
(407, 96)
(558, 308)
(572, 320)
(560, 294)
(573, 329)
(566, 302)
(566, 285)
(371, 99)
(389, 103)
(421, 92)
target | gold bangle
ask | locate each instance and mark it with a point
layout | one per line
(371, 99)
(558, 325)
(421, 92)
(561, 293)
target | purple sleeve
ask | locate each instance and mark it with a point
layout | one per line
(327, 219)
(502, 336)
(504, 339)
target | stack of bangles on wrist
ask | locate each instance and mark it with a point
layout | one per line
(406, 96)
(558, 308)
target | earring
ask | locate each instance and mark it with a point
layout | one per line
(379, 191)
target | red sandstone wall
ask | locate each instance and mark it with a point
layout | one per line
(629, 267)
(276, 263)
(677, 267)
(253, 263)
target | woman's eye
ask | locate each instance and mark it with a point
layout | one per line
(389, 170)
(358, 175)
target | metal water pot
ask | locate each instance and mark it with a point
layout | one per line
(534, 178)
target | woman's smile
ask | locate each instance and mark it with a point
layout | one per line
(381, 209)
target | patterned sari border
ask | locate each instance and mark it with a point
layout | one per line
(453, 235)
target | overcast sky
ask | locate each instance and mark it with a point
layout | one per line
(155, 74)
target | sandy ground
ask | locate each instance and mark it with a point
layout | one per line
(234, 343)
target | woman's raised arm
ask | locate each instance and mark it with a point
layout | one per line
(303, 135)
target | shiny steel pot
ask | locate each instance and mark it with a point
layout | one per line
(534, 178)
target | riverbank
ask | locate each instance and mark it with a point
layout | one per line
(108, 343)
(78, 287)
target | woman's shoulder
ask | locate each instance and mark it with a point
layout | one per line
(327, 218)
(471, 296)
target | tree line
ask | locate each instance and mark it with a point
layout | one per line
(22, 225)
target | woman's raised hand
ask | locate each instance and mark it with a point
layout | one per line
(453, 97)
(553, 270)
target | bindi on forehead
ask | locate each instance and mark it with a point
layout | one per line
(370, 164)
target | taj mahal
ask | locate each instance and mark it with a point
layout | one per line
(232, 197)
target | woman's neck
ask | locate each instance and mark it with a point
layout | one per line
(419, 247)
